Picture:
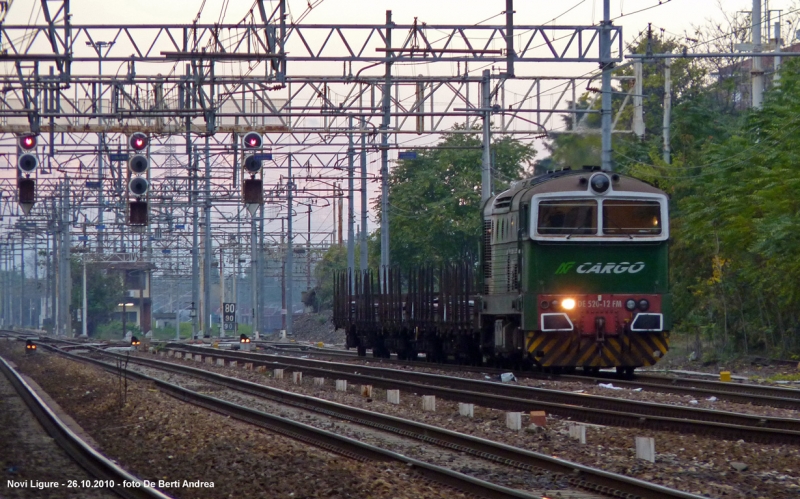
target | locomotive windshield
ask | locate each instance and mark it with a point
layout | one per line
(567, 217)
(627, 217)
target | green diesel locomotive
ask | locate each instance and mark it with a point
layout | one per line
(573, 273)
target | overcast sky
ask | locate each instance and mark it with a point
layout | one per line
(675, 16)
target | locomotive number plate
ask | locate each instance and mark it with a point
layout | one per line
(599, 303)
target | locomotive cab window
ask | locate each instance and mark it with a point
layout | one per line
(567, 217)
(628, 217)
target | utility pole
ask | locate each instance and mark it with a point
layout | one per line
(289, 249)
(193, 196)
(13, 266)
(638, 108)
(67, 288)
(261, 265)
(22, 287)
(777, 78)
(509, 36)
(207, 253)
(308, 252)
(364, 201)
(757, 72)
(340, 200)
(254, 273)
(176, 307)
(101, 228)
(4, 289)
(84, 328)
(387, 117)
(37, 284)
(351, 238)
(221, 292)
(486, 159)
(607, 66)
(667, 108)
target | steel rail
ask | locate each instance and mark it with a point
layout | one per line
(321, 438)
(578, 475)
(744, 393)
(582, 407)
(82, 453)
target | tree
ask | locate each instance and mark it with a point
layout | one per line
(104, 290)
(434, 200)
(335, 259)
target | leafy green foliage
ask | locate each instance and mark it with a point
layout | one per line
(434, 200)
(104, 290)
(735, 227)
(335, 259)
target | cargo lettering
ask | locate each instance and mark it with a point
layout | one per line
(604, 268)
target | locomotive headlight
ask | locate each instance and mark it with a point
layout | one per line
(600, 183)
(545, 304)
(630, 304)
(644, 305)
(567, 303)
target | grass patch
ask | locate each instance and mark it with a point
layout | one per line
(785, 377)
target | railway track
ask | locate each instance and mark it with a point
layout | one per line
(607, 483)
(744, 393)
(112, 476)
(581, 407)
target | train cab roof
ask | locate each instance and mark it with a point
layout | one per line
(565, 181)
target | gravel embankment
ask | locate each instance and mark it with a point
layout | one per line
(158, 437)
(541, 484)
(694, 463)
(29, 457)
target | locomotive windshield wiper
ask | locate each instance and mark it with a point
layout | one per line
(618, 227)
(575, 231)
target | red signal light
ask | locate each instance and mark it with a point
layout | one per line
(27, 142)
(252, 141)
(138, 141)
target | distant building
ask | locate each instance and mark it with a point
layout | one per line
(741, 73)
(136, 304)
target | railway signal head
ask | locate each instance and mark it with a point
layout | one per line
(252, 140)
(243, 338)
(27, 161)
(27, 142)
(138, 164)
(138, 141)
(251, 164)
(138, 186)
(30, 346)
(135, 341)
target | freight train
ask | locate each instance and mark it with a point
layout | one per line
(573, 272)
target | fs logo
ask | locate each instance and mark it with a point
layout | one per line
(564, 267)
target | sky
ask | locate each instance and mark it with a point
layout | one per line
(675, 16)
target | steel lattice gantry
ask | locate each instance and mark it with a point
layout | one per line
(328, 98)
